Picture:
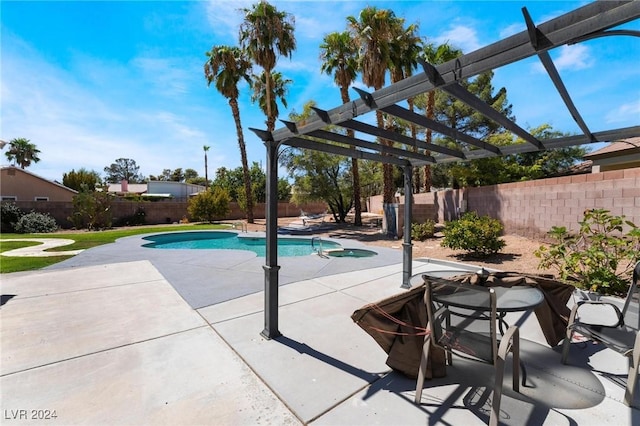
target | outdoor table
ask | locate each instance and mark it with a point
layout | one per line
(397, 323)
(508, 299)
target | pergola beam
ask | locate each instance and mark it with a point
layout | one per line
(552, 71)
(427, 123)
(389, 150)
(297, 142)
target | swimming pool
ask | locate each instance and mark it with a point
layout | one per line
(220, 240)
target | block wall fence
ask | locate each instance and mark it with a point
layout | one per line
(160, 212)
(531, 208)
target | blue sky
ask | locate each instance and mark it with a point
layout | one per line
(90, 82)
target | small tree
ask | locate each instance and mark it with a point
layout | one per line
(209, 205)
(91, 210)
(83, 177)
(600, 257)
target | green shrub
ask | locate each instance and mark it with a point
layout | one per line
(10, 213)
(34, 222)
(138, 218)
(600, 257)
(478, 236)
(422, 231)
(209, 205)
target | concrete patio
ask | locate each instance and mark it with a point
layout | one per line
(115, 343)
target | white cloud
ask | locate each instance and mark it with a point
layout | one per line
(512, 29)
(625, 112)
(225, 16)
(460, 36)
(574, 57)
(570, 58)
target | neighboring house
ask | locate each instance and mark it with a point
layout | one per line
(623, 154)
(178, 191)
(17, 184)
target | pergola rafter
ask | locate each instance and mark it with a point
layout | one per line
(594, 20)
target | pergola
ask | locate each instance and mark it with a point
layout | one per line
(598, 19)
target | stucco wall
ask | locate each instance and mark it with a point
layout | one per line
(15, 182)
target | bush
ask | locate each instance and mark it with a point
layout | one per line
(34, 222)
(600, 257)
(478, 236)
(136, 219)
(422, 231)
(91, 210)
(208, 205)
(10, 213)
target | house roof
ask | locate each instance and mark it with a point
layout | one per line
(621, 147)
(52, 182)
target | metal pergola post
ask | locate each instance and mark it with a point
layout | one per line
(407, 247)
(271, 267)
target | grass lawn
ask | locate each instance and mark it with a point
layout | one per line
(83, 240)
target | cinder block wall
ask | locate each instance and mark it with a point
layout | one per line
(531, 208)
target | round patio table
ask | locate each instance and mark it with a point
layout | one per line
(508, 299)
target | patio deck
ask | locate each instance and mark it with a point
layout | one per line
(115, 343)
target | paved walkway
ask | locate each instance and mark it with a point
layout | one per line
(115, 343)
(39, 250)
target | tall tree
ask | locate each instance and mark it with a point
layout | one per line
(190, 175)
(278, 93)
(81, 180)
(226, 66)
(372, 31)
(22, 152)
(405, 48)
(265, 34)
(339, 55)
(123, 169)
(435, 55)
(206, 148)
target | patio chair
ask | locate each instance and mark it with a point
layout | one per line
(621, 334)
(467, 329)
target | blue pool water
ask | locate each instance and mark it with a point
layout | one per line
(231, 241)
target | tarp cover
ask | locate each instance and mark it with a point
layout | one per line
(398, 323)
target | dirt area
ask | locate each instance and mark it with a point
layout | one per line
(516, 256)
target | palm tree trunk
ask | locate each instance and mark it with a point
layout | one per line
(243, 155)
(431, 100)
(414, 136)
(355, 172)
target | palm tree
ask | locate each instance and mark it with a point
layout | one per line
(22, 152)
(206, 167)
(265, 34)
(435, 55)
(278, 92)
(405, 48)
(339, 56)
(226, 66)
(372, 31)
